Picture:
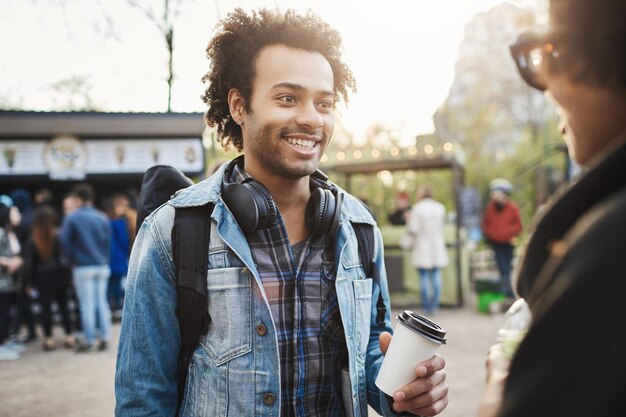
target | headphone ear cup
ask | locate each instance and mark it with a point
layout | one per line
(266, 208)
(335, 223)
(320, 211)
(251, 205)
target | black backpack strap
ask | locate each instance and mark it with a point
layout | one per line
(190, 247)
(365, 238)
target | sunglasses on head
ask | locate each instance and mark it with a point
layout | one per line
(530, 52)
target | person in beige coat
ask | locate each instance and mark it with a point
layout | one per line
(428, 247)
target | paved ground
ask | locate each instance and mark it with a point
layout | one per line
(63, 383)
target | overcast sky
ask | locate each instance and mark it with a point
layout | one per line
(401, 52)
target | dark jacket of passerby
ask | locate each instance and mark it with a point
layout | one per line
(85, 236)
(573, 278)
(501, 222)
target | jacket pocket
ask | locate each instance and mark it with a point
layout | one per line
(229, 332)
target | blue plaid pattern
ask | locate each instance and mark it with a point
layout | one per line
(299, 282)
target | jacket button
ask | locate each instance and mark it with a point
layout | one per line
(261, 330)
(269, 399)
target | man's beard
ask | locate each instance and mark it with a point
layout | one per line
(270, 157)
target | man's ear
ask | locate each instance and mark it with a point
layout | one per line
(236, 105)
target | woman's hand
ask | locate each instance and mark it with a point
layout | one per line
(497, 371)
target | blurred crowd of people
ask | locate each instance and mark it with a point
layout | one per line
(424, 238)
(63, 263)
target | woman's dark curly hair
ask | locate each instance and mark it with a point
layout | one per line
(236, 46)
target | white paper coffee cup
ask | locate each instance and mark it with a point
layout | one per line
(415, 339)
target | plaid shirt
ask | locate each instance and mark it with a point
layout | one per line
(299, 282)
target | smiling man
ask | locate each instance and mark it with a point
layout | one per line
(294, 324)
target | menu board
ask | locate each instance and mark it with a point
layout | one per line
(70, 158)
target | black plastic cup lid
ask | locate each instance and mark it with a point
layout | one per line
(422, 325)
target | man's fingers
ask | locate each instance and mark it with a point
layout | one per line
(420, 386)
(430, 366)
(433, 409)
(384, 339)
(425, 396)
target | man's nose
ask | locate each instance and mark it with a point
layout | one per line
(309, 116)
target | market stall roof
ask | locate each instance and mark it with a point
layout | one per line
(29, 124)
(393, 165)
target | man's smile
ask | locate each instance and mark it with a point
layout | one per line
(303, 143)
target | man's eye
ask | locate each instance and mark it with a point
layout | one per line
(288, 99)
(326, 105)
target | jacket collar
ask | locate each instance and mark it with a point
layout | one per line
(210, 189)
(206, 191)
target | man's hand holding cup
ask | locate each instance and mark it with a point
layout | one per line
(412, 374)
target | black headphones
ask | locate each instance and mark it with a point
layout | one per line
(253, 208)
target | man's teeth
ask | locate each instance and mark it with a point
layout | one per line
(303, 143)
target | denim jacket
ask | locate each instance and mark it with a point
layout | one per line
(235, 369)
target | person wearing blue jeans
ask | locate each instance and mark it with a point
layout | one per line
(428, 246)
(503, 253)
(90, 283)
(430, 288)
(85, 237)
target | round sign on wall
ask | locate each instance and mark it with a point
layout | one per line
(65, 157)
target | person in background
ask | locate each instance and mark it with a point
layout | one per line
(120, 249)
(70, 203)
(21, 220)
(23, 202)
(48, 273)
(85, 238)
(403, 207)
(501, 225)
(428, 246)
(10, 263)
(572, 274)
(43, 196)
(130, 213)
